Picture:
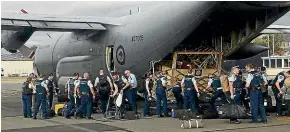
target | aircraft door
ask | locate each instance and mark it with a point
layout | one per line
(109, 58)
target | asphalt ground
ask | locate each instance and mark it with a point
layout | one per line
(13, 121)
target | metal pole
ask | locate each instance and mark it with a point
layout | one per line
(269, 45)
(273, 45)
(221, 43)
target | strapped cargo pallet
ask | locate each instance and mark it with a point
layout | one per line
(201, 63)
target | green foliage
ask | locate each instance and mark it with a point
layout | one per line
(279, 40)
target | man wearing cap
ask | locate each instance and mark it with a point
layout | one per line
(72, 94)
(236, 86)
(133, 81)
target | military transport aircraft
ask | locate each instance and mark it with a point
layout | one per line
(131, 35)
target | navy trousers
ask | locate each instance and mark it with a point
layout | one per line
(257, 105)
(27, 101)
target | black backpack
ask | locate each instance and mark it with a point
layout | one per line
(25, 88)
(103, 81)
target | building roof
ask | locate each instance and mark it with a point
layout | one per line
(6, 56)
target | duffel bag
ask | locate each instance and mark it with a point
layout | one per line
(194, 123)
(130, 115)
(210, 114)
(232, 111)
(204, 98)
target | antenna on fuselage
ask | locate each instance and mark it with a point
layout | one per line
(139, 10)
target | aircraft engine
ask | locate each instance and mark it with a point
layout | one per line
(13, 40)
(247, 51)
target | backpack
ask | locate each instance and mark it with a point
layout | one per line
(103, 80)
(25, 88)
(257, 80)
(225, 83)
(142, 87)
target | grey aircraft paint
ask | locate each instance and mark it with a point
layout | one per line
(145, 36)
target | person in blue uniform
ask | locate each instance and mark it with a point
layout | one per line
(236, 86)
(254, 81)
(161, 95)
(177, 92)
(104, 86)
(27, 89)
(41, 96)
(133, 81)
(265, 78)
(86, 93)
(52, 88)
(189, 84)
(121, 84)
(149, 82)
(277, 84)
(215, 83)
(72, 95)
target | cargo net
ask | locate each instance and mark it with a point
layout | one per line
(208, 63)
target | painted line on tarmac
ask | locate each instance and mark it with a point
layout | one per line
(241, 128)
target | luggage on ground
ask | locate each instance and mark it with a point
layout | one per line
(228, 111)
(130, 115)
(193, 123)
(204, 98)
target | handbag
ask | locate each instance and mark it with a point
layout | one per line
(119, 99)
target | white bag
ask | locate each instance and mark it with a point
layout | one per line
(119, 99)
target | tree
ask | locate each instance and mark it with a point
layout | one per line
(279, 41)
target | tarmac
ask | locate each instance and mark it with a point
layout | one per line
(13, 121)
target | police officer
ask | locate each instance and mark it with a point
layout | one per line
(277, 84)
(149, 82)
(27, 89)
(161, 95)
(121, 84)
(103, 84)
(265, 78)
(72, 95)
(41, 96)
(215, 83)
(86, 93)
(189, 84)
(34, 90)
(177, 92)
(133, 81)
(236, 86)
(52, 88)
(254, 81)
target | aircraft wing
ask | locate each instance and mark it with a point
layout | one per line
(15, 22)
(277, 29)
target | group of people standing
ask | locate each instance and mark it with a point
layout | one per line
(36, 93)
(82, 92)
